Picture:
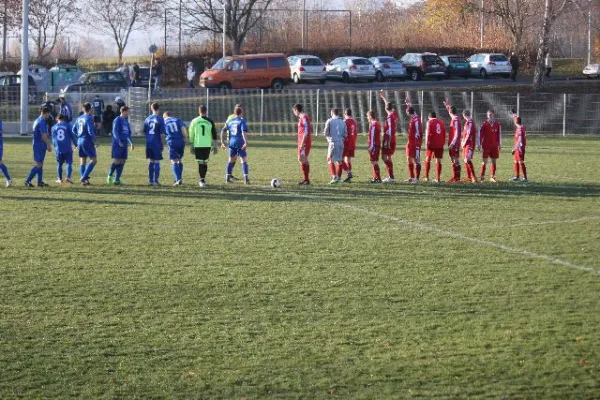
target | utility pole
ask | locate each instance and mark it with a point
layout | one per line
(303, 24)
(589, 55)
(4, 30)
(224, 28)
(25, 68)
(180, 30)
(481, 26)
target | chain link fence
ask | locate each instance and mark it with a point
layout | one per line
(269, 112)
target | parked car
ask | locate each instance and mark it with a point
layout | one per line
(102, 82)
(10, 89)
(486, 64)
(388, 68)
(307, 68)
(592, 71)
(349, 69)
(456, 66)
(145, 76)
(249, 71)
(424, 65)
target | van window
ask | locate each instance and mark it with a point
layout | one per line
(256, 63)
(237, 65)
(277, 62)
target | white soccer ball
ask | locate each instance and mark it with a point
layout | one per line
(276, 182)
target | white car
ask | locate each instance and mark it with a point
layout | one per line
(388, 68)
(592, 71)
(350, 69)
(307, 68)
(486, 64)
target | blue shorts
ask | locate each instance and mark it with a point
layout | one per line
(154, 153)
(64, 158)
(86, 149)
(39, 153)
(176, 152)
(119, 153)
(234, 151)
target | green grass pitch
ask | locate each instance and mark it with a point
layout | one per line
(350, 292)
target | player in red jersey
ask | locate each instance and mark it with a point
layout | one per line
(454, 142)
(489, 141)
(388, 146)
(468, 145)
(304, 142)
(519, 149)
(374, 145)
(435, 141)
(349, 144)
(413, 147)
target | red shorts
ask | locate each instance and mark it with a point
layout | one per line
(435, 153)
(519, 155)
(453, 152)
(306, 151)
(467, 153)
(349, 153)
(374, 156)
(493, 153)
(411, 151)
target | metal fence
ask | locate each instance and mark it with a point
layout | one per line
(269, 112)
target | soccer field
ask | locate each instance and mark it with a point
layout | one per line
(351, 292)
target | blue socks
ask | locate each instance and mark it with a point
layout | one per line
(82, 170)
(32, 174)
(230, 168)
(5, 172)
(156, 172)
(245, 169)
(88, 170)
(119, 171)
(59, 171)
(40, 175)
(180, 170)
(69, 171)
(151, 173)
(175, 170)
(113, 168)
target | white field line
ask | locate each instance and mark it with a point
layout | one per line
(567, 221)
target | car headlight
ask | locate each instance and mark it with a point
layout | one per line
(209, 78)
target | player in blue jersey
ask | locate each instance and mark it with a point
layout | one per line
(98, 106)
(2, 166)
(121, 134)
(154, 128)
(86, 142)
(237, 129)
(41, 145)
(177, 140)
(65, 108)
(63, 141)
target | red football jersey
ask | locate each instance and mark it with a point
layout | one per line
(389, 131)
(520, 138)
(436, 134)
(304, 129)
(374, 139)
(350, 140)
(490, 135)
(454, 137)
(469, 134)
(415, 132)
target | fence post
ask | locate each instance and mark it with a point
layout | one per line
(472, 105)
(565, 115)
(317, 121)
(262, 109)
(207, 98)
(370, 100)
(422, 107)
(518, 103)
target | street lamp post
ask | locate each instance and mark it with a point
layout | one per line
(25, 68)
(224, 28)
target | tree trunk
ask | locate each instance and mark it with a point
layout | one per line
(237, 46)
(120, 54)
(538, 77)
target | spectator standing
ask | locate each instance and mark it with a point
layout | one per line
(49, 104)
(514, 63)
(125, 72)
(136, 74)
(548, 63)
(191, 74)
(65, 108)
(108, 116)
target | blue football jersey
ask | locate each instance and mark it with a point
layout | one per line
(235, 127)
(63, 138)
(40, 126)
(121, 130)
(174, 131)
(84, 128)
(154, 126)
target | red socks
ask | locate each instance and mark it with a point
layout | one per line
(418, 170)
(524, 170)
(339, 170)
(427, 169)
(332, 170)
(470, 170)
(493, 170)
(411, 170)
(457, 165)
(306, 171)
(376, 172)
(389, 165)
(438, 170)
(482, 171)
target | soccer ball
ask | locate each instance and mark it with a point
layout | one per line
(276, 182)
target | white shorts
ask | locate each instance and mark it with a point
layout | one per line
(335, 152)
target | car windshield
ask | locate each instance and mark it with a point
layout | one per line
(361, 61)
(83, 78)
(498, 58)
(430, 58)
(221, 64)
(457, 59)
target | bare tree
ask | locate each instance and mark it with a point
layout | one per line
(119, 18)
(48, 20)
(241, 17)
(10, 15)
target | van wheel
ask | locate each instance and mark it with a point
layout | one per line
(225, 86)
(379, 76)
(277, 84)
(296, 79)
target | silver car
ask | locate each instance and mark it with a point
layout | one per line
(592, 71)
(388, 68)
(349, 69)
(486, 64)
(307, 68)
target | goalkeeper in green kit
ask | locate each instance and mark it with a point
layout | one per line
(203, 139)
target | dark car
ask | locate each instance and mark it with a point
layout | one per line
(424, 65)
(145, 76)
(102, 82)
(10, 89)
(456, 66)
